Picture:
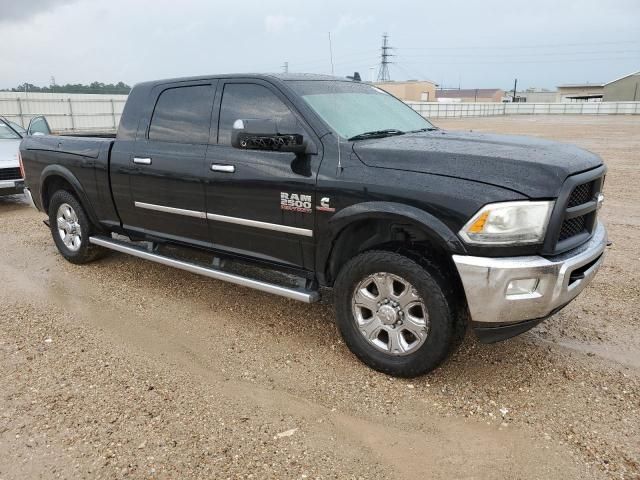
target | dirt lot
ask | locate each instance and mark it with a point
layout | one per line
(127, 369)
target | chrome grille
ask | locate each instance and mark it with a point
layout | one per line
(10, 173)
(572, 227)
(581, 195)
(574, 217)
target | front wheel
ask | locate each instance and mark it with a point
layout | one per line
(71, 228)
(395, 315)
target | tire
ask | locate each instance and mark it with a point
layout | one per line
(418, 328)
(66, 212)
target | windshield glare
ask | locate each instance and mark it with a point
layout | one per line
(6, 133)
(352, 108)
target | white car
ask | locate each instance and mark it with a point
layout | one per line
(11, 134)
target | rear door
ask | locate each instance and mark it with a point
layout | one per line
(167, 169)
(260, 203)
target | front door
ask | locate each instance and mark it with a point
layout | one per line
(168, 164)
(260, 203)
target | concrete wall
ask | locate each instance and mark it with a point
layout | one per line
(625, 89)
(470, 95)
(539, 97)
(419, 91)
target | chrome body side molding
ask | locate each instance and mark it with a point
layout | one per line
(257, 224)
(177, 211)
(277, 227)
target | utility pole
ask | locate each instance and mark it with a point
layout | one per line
(385, 55)
(515, 86)
(285, 67)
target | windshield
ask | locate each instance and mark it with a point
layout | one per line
(353, 109)
(18, 128)
(6, 133)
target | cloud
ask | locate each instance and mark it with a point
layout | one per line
(13, 11)
(178, 38)
(279, 23)
(348, 21)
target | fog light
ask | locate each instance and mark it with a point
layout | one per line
(523, 286)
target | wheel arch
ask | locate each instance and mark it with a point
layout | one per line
(57, 177)
(392, 225)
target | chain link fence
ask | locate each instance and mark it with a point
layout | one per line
(65, 112)
(101, 113)
(440, 110)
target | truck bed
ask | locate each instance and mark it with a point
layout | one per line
(81, 160)
(67, 144)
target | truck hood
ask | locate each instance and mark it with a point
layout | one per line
(530, 166)
(9, 153)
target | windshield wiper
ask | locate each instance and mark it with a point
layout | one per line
(377, 134)
(428, 129)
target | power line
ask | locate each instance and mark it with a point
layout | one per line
(511, 47)
(385, 55)
(534, 61)
(519, 55)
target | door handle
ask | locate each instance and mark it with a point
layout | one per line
(222, 168)
(142, 161)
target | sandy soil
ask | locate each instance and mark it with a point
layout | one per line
(127, 369)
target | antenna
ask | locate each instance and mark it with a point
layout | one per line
(339, 169)
(331, 53)
(383, 73)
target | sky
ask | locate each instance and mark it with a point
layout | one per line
(468, 44)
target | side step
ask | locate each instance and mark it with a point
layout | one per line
(303, 295)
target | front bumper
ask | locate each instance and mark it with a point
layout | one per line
(11, 187)
(559, 280)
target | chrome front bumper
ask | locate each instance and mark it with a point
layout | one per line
(11, 187)
(559, 280)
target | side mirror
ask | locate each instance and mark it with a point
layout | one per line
(257, 134)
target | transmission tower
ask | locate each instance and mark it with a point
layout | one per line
(385, 55)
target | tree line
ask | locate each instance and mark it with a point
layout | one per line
(94, 87)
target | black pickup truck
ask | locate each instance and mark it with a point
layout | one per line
(322, 184)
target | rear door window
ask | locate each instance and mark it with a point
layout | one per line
(183, 115)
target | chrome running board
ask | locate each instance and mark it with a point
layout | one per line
(302, 295)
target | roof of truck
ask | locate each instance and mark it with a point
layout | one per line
(279, 76)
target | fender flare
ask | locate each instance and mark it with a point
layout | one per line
(66, 174)
(435, 230)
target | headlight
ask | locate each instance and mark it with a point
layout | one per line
(508, 223)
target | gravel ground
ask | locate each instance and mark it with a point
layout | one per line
(127, 369)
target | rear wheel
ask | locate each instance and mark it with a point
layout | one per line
(397, 316)
(71, 228)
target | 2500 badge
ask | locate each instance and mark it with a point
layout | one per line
(295, 202)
